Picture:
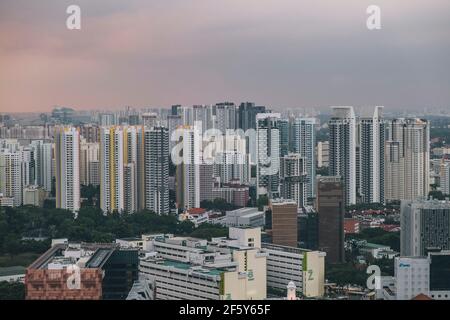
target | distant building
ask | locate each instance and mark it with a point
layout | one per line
(444, 175)
(418, 278)
(424, 224)
(377, 251)
(323, 154)
(304, 143)
(90, 133)
(207, 182)
(412, 277)
(11, 176)
(82, 272)
(343, 160)
(407, 159)
(268, 155)
(188, 170)
(245, 217)
(371, 157)
(293, 178)
(6, 201)
(67, 160)
(89, 157)
(330, 209)
(233, 193)
(351, 226)
(12, 274)
(308, 229)
(156, 162)
(303, 267)
(112, 160)
(229, 268)
(439, 274)
(34, 196)
(284, 222)
(197, 216)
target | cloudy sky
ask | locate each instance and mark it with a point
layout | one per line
(281, 53)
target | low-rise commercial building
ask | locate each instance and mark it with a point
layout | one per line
(232, 268)
(305, 268)
(82, 272)
(245, 217)
(34, 195)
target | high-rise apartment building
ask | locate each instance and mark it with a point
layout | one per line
(407, 159)
(231, 162)
(206, 181)
(267, 155)
(11, 176)
(343, 133)
(156, 155)
(67, 168)
(304, 143)
(330, 207)
(112, 197)
(293, 178)
(247, 115)
(371, 157)
(43, 155)
(89, 156)
(173, 122)
(225, 116)
(284, 128)
(444, 175)
(188, 168)
(323, 154)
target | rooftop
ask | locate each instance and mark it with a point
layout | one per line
(11, 271)
(187, 266)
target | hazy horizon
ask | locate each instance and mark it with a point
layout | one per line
(278, 53)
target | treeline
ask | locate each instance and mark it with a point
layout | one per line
(12, 291)
(378, 236)
(19, 225)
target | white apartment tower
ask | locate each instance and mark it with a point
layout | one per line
(304, 143)
(343, 150)
(371, 150)
(67, 168)
(232, 163)
(445, 177)
(11, 176)
(187, 157)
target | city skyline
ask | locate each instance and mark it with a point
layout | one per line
(259, 150)
(157, 54)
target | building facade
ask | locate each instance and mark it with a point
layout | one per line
(330, 210)
(67, 160)
(424, 224)
(343, 133)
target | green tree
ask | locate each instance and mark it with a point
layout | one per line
(12, 291)
(262, 201)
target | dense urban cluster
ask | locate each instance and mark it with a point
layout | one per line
(222, 202)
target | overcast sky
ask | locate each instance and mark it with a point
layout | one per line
(281, 53)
